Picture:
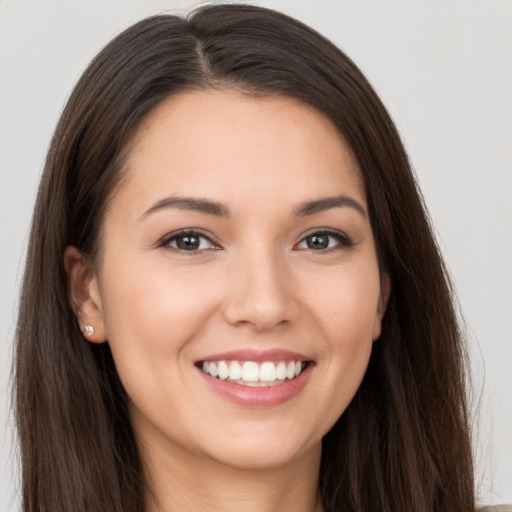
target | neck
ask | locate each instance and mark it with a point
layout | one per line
(183, 482)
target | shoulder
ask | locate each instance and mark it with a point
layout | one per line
(496, 508)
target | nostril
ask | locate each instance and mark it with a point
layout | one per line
(260, 315)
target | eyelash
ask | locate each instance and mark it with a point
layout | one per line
(343, 241)
(197, 233)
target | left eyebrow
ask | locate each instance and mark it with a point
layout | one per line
(326, 203)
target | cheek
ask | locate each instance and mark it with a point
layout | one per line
(345, 303)
(151, 314)
(345, 315)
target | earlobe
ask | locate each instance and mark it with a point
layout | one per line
(385, 291)
(84, 295)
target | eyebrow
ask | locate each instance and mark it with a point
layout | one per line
(219, 210)
(326, 203)
(188, 203)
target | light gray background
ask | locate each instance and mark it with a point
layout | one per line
(443, 68)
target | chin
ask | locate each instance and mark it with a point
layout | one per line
(264, 452)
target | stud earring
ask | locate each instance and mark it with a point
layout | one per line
(88, 329)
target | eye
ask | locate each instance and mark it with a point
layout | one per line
(189, 241)
(324, 240)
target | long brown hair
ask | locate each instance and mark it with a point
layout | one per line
(402, 444)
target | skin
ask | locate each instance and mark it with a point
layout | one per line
(255, 284)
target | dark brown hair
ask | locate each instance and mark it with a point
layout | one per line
(403, 443)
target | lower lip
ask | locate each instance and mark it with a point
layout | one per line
(258, 397)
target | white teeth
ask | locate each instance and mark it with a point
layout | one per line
(268, 372)
(213, 370)
(235, 370)
(290, 370)
(223, 370)
(250, 373)
(281, 371)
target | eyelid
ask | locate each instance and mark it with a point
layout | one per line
(344, 240)
(166, 239)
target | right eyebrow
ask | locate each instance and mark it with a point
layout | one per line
(188, 203)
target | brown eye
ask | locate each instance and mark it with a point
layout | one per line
(189, 241)
(320, 241)
(325, 241)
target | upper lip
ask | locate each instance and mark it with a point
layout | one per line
(257, 356)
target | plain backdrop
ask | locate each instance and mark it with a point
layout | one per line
(444, 70)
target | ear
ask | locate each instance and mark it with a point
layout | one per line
(385, 290)
(84, 294)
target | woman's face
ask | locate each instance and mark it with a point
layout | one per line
(237, 253)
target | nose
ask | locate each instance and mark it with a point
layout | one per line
(262, 294)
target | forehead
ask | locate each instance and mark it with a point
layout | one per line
(231, 146)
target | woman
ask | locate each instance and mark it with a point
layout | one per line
(233, 296)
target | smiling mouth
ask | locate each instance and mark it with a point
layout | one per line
(253, 374)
